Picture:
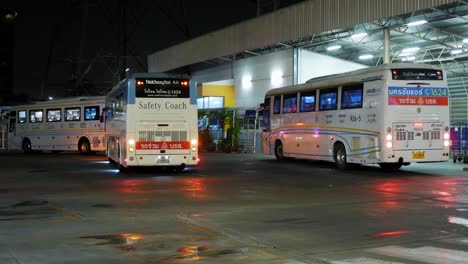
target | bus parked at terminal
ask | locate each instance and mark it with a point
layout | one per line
(390, 115)
(58, 125)
(151, 120)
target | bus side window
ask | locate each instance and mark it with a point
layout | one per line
(266, 115)
(277, 104)
(290, 103)
(328, 99)
(22, 116)
(307, 102)
(351, 96)
(91, 113)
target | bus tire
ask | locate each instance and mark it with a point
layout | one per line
(341, 160)
(26, 145)
(84, 147)
(279, 154)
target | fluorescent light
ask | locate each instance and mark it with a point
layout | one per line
(366, 56)
(276, 78)
(127, 69)
(359, 35)
(247, 81)
(333, 48)
(409, 58)
(409, 50)
(456, 51)
(465, 40)
(417, 23)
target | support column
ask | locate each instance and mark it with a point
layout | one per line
(386, 55)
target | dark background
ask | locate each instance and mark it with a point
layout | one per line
(70, 47)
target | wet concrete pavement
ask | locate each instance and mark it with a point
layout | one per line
(67, 208)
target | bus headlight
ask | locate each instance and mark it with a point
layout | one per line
(194, 149)
(131, 141)
(446, 143)
(446, 136)
(131, 149)
(194, 142)
(389, 144)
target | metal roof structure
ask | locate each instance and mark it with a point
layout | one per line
(421, 31)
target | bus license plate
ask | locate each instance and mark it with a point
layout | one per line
(163, 160)
(418, 154)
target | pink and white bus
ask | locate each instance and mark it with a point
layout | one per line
(390, 115)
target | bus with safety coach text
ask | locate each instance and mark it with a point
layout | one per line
(67, 124)
(151, 120)
(391, 115)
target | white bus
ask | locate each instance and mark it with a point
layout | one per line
(58, 125)
(390, 115)
(151, 120)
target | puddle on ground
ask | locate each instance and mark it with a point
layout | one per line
(102, 205)
(30, 203)
(199, 252)
(125, 241)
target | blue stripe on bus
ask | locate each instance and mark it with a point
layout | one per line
(131, 96)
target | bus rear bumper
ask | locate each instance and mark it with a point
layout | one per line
(163, 160)
(419, 156)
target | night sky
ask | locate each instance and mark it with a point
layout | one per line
(50, 33)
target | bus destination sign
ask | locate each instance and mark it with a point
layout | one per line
(162, 88)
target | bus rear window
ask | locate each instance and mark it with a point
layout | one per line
(308, 102)
(290, 103)
(352, 96)
(328, 99)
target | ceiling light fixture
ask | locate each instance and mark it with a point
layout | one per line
(417, 23)
(366, 57)
(333, 48)
(359, 35)
(456, 51)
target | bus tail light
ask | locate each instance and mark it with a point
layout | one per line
(446, 143)
(389, 144)
(446, 136)
(131, 141)
(131, 149)
(194, 142)
(446, 129)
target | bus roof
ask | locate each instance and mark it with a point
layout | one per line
(345, 77)
(63, 100)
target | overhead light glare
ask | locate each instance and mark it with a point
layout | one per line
(465, 40)
(456, 51)
(417, 23)
(359, 35)
(333, 47)
(409, 58)
(366, 57)
(410, 50)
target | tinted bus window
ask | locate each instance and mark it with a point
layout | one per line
(73, 114)
(36, 116)
(91, 113)
(328, 99)
(308, 101)
(352, 96)
(277, 104)
(266, 114)
(54, 115)
(290, 103)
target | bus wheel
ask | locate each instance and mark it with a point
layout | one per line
(279, 154)
(83, 146)
(340, 157)
(26, 146)
(390, 166)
